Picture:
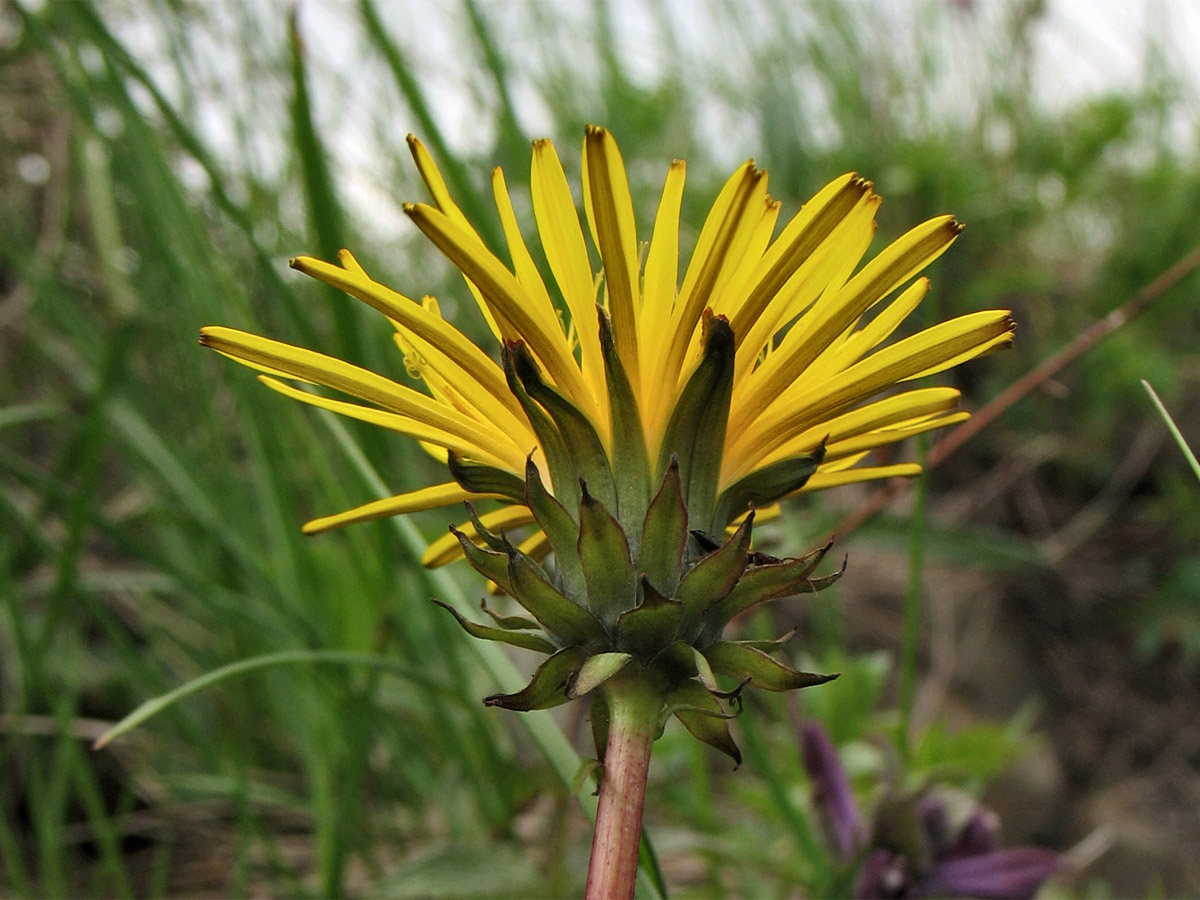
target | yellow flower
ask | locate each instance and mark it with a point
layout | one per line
(812, 381)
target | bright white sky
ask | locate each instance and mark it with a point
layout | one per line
(1082, 48)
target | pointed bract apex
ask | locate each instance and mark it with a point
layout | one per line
(481, 479)
(548, 687)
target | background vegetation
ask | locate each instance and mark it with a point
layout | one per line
(158, 164)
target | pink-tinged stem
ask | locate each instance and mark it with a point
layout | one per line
(633, 711)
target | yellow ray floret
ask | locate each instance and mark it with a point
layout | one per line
(806, 327)
(434, 497)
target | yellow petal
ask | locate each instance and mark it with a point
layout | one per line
(456, 347)
(731, 223)
(662, 271)
(288, 361)
(841, 355)
(426, 498)
(441, 198)
(713, 243)
(925, 351)
(884, 436)
(820, 274)
(735, 281)
(567, 255)
(900, 408)
(902, 259)
(606, 193)
(803, 235)
(526, 271)
(505, 456)
(828, 319)
(823, 480)
(506, 297)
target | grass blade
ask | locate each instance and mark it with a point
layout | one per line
(286, 657)
(1174, 429)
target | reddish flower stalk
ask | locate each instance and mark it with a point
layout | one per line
(633, 722)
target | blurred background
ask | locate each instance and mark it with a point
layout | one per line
(159, 162)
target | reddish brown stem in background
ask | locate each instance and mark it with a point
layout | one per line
(1035, 377)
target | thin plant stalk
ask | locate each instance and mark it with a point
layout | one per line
(633, 710)
(1173, 428)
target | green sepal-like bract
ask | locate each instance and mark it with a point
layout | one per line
(583, 445)
(511, 623)
(740, 661)
(761, 583)
(558, 459)
(480, 479)
(713, 577)
(665, 533)
(560, 528)
(768, 484)
(651, 626)
(527, 640)
(494, 542)
(702, 715)
(694, 431)
(559, 615)
(597, 670)
(630, 461)
(491, 564)
(607, 567)
(548, 687)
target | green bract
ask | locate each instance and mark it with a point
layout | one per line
(639, 584)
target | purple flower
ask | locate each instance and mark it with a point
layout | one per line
(936, 843)
(833, 793)
(1015, 873)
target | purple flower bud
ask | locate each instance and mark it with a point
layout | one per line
(883, 876)
(1016, 873)
(980, 835)
(832, 789)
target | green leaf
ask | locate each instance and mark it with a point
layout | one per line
(701, 413)
(583, 445)
(524, 639)
(979, 752)
(713, 577)
(768, 484)
(559, 527)
(740, 661)
(548, 687)
(664, 534)
(561, 616)
(701, 714)
(468, 870)
(597, 670)
(326, 220)
(607, 567)
(651, 626)
(480, 479)
(491, 564)
(630, 461)
(759, 584)
(155, 705)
